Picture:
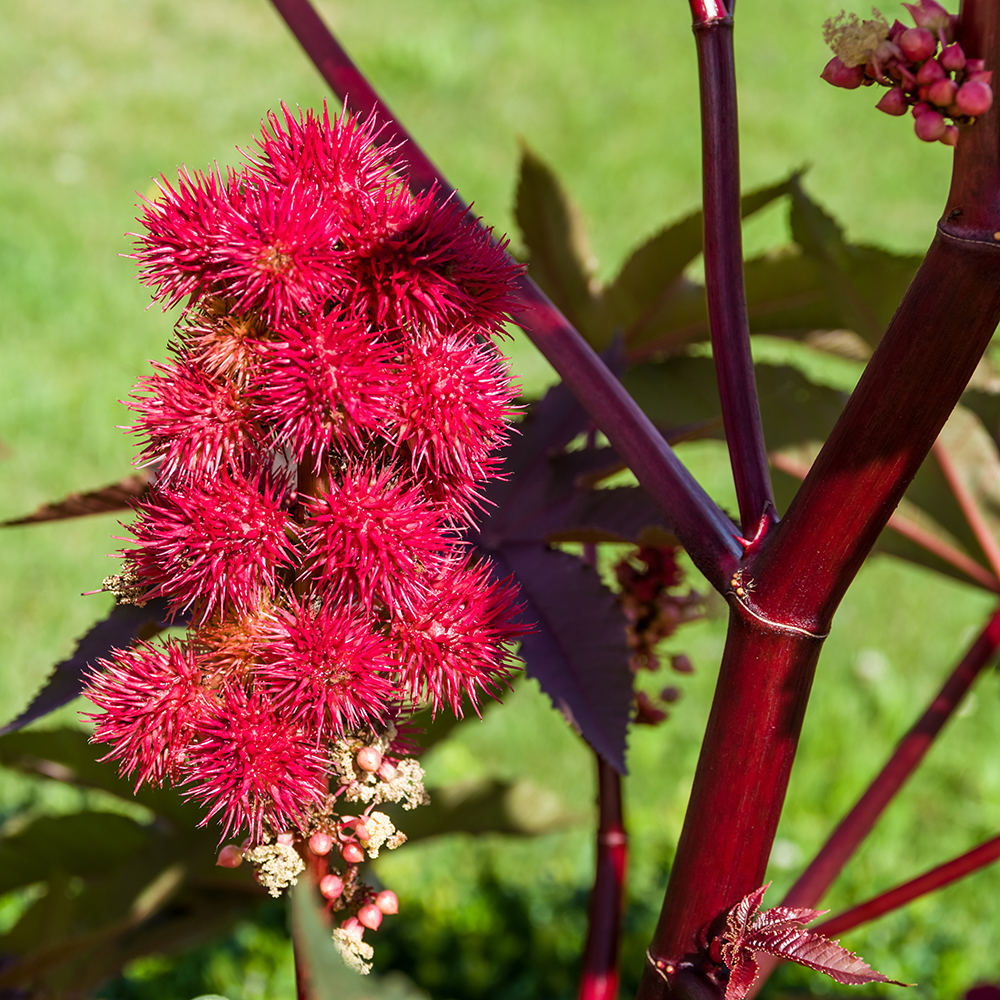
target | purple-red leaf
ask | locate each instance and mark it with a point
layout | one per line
(781, 932)
(118, 631)
(116, 496)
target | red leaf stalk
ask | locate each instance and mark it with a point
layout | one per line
(599, 976)
(727, 309)
(812, 884)
(706, 532)
(936, 878)
(856, 825)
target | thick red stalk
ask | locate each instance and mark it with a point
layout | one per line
(857, 824)
(599, 974)
(813, 883)
(785, 596)
(727, 308)
(706, 533)
(936, 878)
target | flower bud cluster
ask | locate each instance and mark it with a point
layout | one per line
(653, 613)
(925, 69)
(321, 435)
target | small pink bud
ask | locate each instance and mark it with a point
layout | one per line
(369, 759)
(352, 854)
(848, 77)
(923, 94)
(980, 76)
(362, 831)
(670, 695)
(247, 844)
(321, 843)
(952, 58)
(930, 71)
(331, 886)
(353, 927)
(896, 30)
(974, 98)
(929, 14)
(975, 65)
(950, 137)
(942, 92)
(919, 109)
(917, 44)
(387, 901)
(682, 664)
(230, 857)
(370, 916)
(386, 771)
(894, 102)
(286, 839)
(929, 126)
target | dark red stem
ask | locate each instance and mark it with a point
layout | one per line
(706, 533)
(857, 824)
(813, 883)
(727, 308)
(936, 878)
(599, 975)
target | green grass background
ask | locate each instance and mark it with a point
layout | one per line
(96, 98)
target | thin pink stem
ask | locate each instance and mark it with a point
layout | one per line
(908, 529)
(727, 307)
(970, 509)
(936, 878)
(706, 533)
(599, 976)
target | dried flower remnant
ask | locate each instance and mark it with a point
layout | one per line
(322, 435)
(945, 90)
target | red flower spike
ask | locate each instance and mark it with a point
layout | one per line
(211, 544)
(193, 425)
(450, 644)
(151, 697)
(325, 383)
(324, 668)
(453, 411)
(781, 932)
(252, 767)
(420, 263)
(372, 537)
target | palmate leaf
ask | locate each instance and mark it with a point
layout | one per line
(107, 499)
(577, 650)
(781, 932)
(124, 625)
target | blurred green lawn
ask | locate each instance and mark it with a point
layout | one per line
(96, 98)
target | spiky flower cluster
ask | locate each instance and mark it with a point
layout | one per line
(937, 87)
(321, 436)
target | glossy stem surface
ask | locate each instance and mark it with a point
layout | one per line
(706, 533)
(599, 974)
(727, 308)
(937, 878)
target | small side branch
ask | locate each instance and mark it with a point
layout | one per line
(936, 878)
(727, 308)
(706, 533)
(599, 975)
(857, 824)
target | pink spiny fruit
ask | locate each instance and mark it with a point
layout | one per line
(251, 767)
(150, 697)
(211, 544)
